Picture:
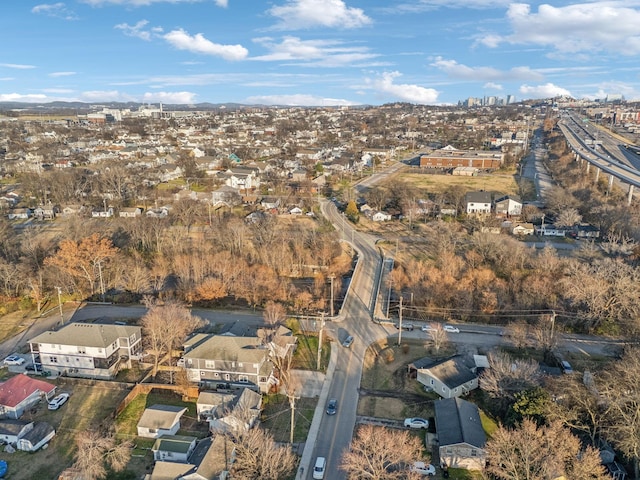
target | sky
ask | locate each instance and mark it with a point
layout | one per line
(317, 52)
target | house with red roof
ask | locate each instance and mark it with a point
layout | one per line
(22, 392)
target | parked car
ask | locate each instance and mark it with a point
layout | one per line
(451, 329)
(426, 328)
(347, 341)
(416, 422)
(58, 401)
(566, 367)
(33, 368)
(14, 359)
(423, 468)
(332, 406)
(319, 467)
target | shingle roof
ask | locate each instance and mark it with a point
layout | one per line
(458, 421)
(220, 347)
(453, 372)
(87, 335)
(17, 388)
(174, 443)
(161, 416)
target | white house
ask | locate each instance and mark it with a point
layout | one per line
(380, 217)
(478, 203)
(173, 448)
(160, 420)
(508, 206)
(22, 392)
(35, 438)
(88, 349)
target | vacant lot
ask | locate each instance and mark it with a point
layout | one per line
(501, 183)
(386, 389)
(88, 408)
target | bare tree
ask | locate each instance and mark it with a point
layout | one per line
(165, 327)
(258, 456)
(97, 451)
(518, 333)
(620, 389)
(506, 376)
(530, 452)
(379, 453)
(437, 337)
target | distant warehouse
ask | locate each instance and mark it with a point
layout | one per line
(450, 157)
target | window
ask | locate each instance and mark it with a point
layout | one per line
(474, 452)
(432, 382)
(216, 375)
(210, 364)
(243, 379)
(240, 365)
(227, 376)
(82, 350)
(53, 359)
(202, 374)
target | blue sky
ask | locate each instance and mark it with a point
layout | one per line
(316, 52)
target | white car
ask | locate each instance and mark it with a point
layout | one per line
(58, 401)
(14, 359)
(451, 329)
(426, 328)
(423, 468)
(416, 422)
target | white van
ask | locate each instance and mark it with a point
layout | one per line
(318, 470)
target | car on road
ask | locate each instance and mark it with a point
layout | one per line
(427, 328)
(405, 326)
(319, 467)
(451, 329)
(347, 341)
(58, 401)
(423, 468)
(416, 422)
(14, 359)
(332, 407)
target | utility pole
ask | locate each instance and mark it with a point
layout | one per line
(60, 305)
(101, 281)
(320, 342)
(400, 323)
(331, 278)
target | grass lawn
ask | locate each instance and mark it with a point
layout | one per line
(306, 354)
(88, 408)
(276, 417)
(127, 421)
(501, 183)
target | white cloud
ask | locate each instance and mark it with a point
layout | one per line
(458, 70)
(403, 92)
(16, 66)
(169, 97)
(62, 74)
(198, 44)
(548, 90)
(492, 86)
(298, 101)
(325, 53)
(18, 97)
(57, 90)
(6, 79)
(105, 96)
(609, 26)
(302, 14)
(138, 30)
(56, 10)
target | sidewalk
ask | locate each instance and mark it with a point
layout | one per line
(310, 443)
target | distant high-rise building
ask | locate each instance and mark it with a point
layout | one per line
(511, 99)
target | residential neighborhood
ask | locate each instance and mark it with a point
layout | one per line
(229, 293)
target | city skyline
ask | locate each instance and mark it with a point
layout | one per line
(316, 52)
